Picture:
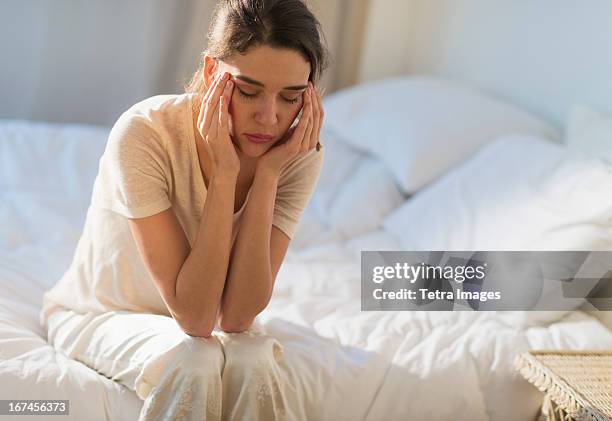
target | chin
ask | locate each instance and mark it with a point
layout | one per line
(249, 148)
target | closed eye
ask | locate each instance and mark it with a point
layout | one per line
(252, 96)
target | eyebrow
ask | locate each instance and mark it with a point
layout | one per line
(255, 82)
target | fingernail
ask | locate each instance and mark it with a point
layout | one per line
(230, 84)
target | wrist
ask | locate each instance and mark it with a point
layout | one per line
(264, 171)
(225, 178)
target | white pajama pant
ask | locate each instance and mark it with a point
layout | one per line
(228, 376)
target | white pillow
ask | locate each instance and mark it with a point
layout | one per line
(589, 131)
(354, 193)
(519, 193)
(51, 157)
(364, 200)
(341, 162)
(421, 126)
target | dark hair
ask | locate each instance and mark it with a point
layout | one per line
(238, 25)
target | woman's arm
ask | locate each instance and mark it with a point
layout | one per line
(190, 280)
(260, 248)
(248, 287)
(201, 280)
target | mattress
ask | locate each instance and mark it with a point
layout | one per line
(343, 363)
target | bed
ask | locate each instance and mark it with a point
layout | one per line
(346, 364)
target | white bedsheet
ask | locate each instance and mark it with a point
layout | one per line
(343, 363)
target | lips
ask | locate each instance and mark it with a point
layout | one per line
(259, 138)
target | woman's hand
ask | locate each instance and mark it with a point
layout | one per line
(213, 125)
(302, 139)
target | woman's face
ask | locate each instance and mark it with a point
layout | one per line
(267, 95)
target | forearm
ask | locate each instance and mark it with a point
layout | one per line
(249, 284)
(202, 277)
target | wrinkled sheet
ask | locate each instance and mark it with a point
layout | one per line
(340, 363)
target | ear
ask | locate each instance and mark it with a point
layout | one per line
(209, 70)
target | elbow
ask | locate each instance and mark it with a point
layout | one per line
(232, 320)
(233, 324)
(197, 327)
(198, 332)
(193, 320)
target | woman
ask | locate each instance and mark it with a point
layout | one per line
(195, 203)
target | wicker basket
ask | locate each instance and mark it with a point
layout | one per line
(578, 384)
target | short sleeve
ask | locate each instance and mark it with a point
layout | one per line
(133, 173)
(296, 184)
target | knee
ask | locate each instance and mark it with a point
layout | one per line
(248, 353)
(199, 359)
(200, 356)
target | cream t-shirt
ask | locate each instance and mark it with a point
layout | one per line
(150, 164)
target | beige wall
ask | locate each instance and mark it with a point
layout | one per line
(343, 23)
(542, 55)
(386, 29)
(76, 61)
(86, 62)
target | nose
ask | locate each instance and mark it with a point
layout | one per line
(266, 112)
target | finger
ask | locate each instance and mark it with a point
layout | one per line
(316, 116)
(305, 146)
(213, 129)
(224, 107)
(300, 129)
(221, 116)
(213, 85)
(201, 123)
(321, 114)
(207, 95)
(212, 104)
(211, 96)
